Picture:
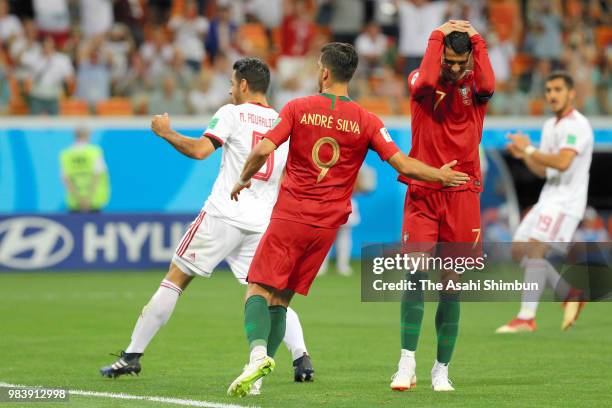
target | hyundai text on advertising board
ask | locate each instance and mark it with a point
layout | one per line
(104, 241)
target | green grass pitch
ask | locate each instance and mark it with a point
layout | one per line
(57, 329)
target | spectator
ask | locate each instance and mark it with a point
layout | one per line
(579, 58)
(119, 45)
(49, 73)
(371, 46)
(297, 33)
(10, 26)
(501, 54)
(603, 81)
(183, 75)
(220, 38)
(189, 32)
(538, 78)
(135, 85)
(217, 93)
(509, 99)
(199, 100)
(417, 19)
(85, 175)
(96, 17)
(157, 54)
(300, 81)
(297, 30)
(170, 99)
(267, 12)
(131, 14)
(24, 48)
(94, 72)
(348, 18)
(544, 34)
(211, 90)
(52, 19)
(388, 86)
(473, 11)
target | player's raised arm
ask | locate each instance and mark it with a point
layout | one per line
(484, 78)
(195, 148)
(415, 169)
(535, 159)
(428, 74)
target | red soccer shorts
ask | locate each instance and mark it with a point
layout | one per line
(441, 216)
(290, 254)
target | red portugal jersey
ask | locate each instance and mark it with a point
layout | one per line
(330, 137)
(447, 118)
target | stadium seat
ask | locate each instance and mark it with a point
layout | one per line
(74, 107)
(405, 107)
(537, 107)
(255, 34)
(17, 104)
(379, 106)
(603, 37)
(521, 64)
(115, 107)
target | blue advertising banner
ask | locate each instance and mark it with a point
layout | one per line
(89, 241)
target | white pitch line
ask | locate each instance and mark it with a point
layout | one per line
(165, 400)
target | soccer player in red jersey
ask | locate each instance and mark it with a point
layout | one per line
(448, 104)
(330, 137)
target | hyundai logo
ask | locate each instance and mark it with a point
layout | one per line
(33, 243)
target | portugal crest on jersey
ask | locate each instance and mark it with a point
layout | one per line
(464, 91)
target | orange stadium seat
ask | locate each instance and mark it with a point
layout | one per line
(537, 107)
(379, 106)
(74, 107)
(255, 33)
(405, 107)
(521, 64)
(115, 107)
(17, 104)
(603, 36)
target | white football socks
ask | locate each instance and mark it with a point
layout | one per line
(344, 243)
(294, 336)
(536, 271)
(153, 316)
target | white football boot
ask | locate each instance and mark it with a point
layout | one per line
(405, 377)
(439, 378)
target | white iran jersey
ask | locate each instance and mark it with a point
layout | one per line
(239, 128)
(568, 188)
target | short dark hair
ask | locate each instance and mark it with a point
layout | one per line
(459, 42)
(564, 75)
(256, 73)
(341, 59)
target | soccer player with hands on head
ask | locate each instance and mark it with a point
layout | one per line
(448, 103)
(330, 137)
(563, 159)
(224, 229)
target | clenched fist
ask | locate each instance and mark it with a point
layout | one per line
(160, 124)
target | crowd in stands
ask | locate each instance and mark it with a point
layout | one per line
(125, 57)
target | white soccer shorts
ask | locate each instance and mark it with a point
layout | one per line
(548, 223)
(210, 240)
